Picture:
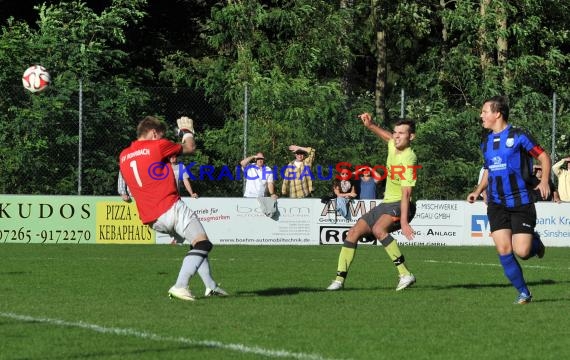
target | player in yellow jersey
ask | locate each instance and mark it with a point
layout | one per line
(396, 210)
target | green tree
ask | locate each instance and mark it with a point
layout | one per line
(40, 132)
(488, 48)
(291, 57)
(309, 67)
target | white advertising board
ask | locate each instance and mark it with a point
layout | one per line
(552, 223)
(240, 221)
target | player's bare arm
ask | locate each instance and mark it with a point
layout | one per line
(188, 146)
(544, 186)
(369, 124)
(186, 132)
(479, 189)
(407, 230)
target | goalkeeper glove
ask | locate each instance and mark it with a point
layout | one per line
(185, 127)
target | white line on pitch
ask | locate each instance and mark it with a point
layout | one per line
(493, 265)
(150, 336)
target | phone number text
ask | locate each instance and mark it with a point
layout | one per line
(23, 235)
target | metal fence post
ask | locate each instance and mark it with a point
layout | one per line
(553, 152)
(245, 118)
(402, 103)
(80, 144)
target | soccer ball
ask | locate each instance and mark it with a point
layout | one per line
(36, 78)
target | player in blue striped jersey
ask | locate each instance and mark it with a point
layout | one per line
(508, 154)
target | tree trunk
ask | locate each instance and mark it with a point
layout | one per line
(502, 44)
(380, 89)
(483, 55)
(444, 29)
(381, 65)
(348, 66)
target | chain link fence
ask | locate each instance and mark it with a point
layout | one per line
(68, 143)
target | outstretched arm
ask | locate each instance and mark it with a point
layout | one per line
(381, 133)
(186, 132)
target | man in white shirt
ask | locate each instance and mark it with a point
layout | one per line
(259, 177)
(123, 189)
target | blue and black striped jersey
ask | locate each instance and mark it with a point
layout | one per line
(508, 159)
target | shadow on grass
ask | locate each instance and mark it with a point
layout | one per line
(551, 300)
(15, 273)
(286, 291)
(298, 290)
(280, 291)
(157, 353)
(495, 285)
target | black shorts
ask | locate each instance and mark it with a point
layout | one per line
(392, 209)
(519, 219)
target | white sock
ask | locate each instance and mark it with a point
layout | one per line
(206, 275)
(190, 265)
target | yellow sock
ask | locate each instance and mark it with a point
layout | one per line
(393, 251)
(344, 260)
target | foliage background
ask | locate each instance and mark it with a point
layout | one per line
(306, 67)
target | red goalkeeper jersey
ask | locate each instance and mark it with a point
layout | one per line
(146, 169)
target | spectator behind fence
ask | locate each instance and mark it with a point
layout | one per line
(185, 178)
(297, 181)
(367, 182)
(344, 191)
(553, 196)
(123, 189)
(563, 178)
(258, 177)
(259, 183)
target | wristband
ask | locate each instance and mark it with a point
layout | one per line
(186, 136)
(182, 132)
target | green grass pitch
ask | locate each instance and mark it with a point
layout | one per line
(110, 302)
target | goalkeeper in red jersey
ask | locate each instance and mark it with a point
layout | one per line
(146, 170)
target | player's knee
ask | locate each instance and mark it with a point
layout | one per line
(204, 245)
(351, 236)
(523, 255)
(379, 232)
(395, 227)
(201, 248)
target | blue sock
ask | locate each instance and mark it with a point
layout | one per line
(513, 272)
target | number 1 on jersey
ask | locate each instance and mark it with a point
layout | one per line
(133, 165)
